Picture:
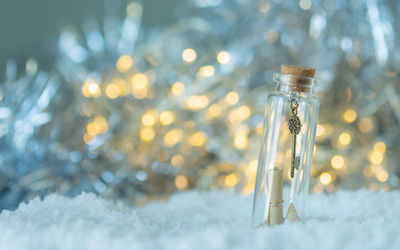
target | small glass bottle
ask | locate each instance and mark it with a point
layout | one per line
(286, 149)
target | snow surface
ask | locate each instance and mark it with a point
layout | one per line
(200, 220)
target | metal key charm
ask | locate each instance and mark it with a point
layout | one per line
(294, 125)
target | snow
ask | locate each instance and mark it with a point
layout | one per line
(200, 220)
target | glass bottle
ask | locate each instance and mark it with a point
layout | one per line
(286, 149)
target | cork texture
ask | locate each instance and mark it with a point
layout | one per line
(300, 71)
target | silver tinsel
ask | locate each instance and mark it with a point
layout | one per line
(139, 113)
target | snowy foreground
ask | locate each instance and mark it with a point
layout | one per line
(194, 220)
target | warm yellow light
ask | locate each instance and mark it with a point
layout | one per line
(147, 134)
(243, 112)
(177, 161)
(87, 138)
(122, 85)
(206, 71)
(232, 98)
(92, 129)
(197, 102)
(231, 180)
(172, 137)
(140, 93)
(241, 141)
(320, 130)
(337, 162)
(365, 124)
(177, 88)
(380, 147)
(149, 118)
(112, 91)
(181, 182)
(91, 89)
(124, 63)
(101, 124)
(198, 139)
(325, 178)
(382, 176)
(189, 55)
(350, 115)
(214, 110)
(344, 138)
(376, 157)
(223, 57)
(167, 117)
(139, 81)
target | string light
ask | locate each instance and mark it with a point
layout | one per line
(206, 71)
(177, 88)
(325, 178)
(350, 115)
(112, 91)
(382, 176)
(231, 180)
(232, 98)
(124, 63)
(198, 139)
(177, 161)
(147, 134)
(189, 55)
(181, 182)
(376, 157)
(344, 138)
(223, 57)
(172, 137)
(149, 118)
(337, 162)
(380, 147)
(167, 117)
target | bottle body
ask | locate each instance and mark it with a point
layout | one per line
(286, 154)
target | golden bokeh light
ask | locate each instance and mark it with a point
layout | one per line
(214, 111)
(167, 117)
(231, 180)
(195, 102)
(206, 71)
(350, 115)
(243, 112)
(91, 89)
(101, 124)
(375, 157)
(365, 124)
(177, 161)
(223, 57)
(382, 176)
(325, 178)
(139, 81)
(198, 139)
(177, 88)
(189, 55)
(112, 91)
(149, 118)
(172, 137)
(344, 138)
(320, 130)
(147, 134)
(241, 141)
(87, 138)
(232, 98)
(181, 182)
(124, 63)
(337, 162)
(380, 147)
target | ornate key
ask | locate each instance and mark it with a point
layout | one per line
(294, 125)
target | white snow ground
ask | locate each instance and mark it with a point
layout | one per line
(200, 220)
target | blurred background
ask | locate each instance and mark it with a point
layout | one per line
(136, 100)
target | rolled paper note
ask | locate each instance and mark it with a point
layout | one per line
(291, 215)
(275, 211)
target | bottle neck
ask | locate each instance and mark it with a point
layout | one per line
(296, 85)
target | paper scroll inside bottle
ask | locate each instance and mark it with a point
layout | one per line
(275, 210)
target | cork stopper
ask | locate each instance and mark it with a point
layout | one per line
(299, 71)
